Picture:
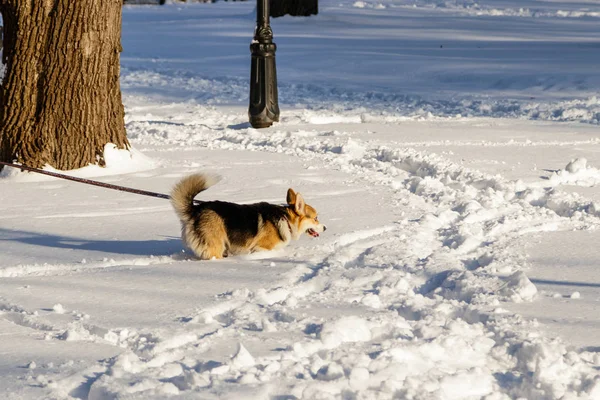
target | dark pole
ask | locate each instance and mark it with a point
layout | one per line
(264, 107)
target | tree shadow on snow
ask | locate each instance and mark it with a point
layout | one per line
(164, 247)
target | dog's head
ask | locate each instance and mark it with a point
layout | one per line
(303, 216)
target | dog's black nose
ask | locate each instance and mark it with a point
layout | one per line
(324, 228)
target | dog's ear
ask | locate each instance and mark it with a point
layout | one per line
(291, 197)
(296, 200)
(299, 204)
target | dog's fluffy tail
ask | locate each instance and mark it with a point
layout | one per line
(182, 195)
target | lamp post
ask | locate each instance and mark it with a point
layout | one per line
(264, 107)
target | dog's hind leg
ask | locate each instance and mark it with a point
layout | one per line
(214, 236)
(215, 251)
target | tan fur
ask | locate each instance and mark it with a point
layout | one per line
(216, 229)
(183, 193)
(268, 238)
(213, 231)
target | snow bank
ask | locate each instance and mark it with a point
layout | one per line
(118, 161)
(576, 172)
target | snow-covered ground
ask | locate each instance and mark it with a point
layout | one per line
(452, 150)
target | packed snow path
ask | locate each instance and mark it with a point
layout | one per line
(439, 212)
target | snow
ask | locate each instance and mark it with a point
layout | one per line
(117, 161)
(451, 148)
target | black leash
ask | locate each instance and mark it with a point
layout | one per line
(88, 181)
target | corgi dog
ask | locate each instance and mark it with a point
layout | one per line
(217, 229)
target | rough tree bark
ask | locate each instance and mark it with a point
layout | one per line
(60, 100)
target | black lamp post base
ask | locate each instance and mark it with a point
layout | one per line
(264, 108)
(260, 121)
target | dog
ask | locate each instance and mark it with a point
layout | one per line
(217, 229)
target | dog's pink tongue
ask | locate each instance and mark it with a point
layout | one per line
(312, 233)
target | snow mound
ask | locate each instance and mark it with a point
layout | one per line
(576, 172)
(519, 288)
(118, 161)
(345, 330)
(243, 358)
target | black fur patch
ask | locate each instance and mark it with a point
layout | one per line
(241, 220)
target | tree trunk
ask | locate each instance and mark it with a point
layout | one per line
(60, 101)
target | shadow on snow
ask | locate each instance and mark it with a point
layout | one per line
(163, 247)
